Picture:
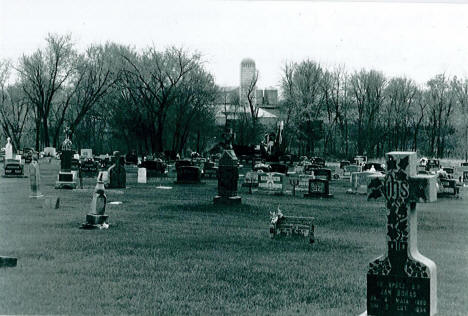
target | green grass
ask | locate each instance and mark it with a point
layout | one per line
(174, 252)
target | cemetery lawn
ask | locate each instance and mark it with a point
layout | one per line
(174, 252)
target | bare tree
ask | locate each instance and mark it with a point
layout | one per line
(14, 108)
(42, 75)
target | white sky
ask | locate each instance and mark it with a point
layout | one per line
(417, 40)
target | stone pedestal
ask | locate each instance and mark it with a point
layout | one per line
(96, 218)
(228, 175)
(401, 282)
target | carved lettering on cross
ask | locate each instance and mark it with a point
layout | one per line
(401, 188)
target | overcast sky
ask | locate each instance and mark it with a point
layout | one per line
(417, 40)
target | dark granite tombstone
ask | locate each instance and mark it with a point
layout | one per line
(344, 163)
(75, 164)
(402, 282)
(228, 175)
(65, 176)
(66, 160)
(131, 158)
(13, 168)
(464, 164)
(154, 168)
(323, 173)
(319, 162)
(279, 167)
(188, 175)
(209, 170)
(117, 173)
(89, 168)
(319, 188)
(183, 163)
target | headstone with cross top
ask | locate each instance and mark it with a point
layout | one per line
(401, 282)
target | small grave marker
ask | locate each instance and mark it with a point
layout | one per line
(291, 226)
(319, 188)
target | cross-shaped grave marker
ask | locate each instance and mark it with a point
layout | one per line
(401, 282)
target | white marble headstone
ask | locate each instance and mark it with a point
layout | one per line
(141, 175)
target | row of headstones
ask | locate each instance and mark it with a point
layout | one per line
(315, 185)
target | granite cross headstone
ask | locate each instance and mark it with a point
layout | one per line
(401, 282)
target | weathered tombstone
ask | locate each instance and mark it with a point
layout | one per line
(209, 170)
(449, 187)
(96, 218)
(271, 182)
(188, 175)
(89, 168)
(8, 149)
(319, 188)
(359, 182)
(141, 175)
(279, 167)
(66, 179)
(291, 226)
(323, 173)
(117, 173)
(35, 180)
(402, 282)
(228, 175)
(154, 168)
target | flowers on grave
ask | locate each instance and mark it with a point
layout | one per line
(276, 216)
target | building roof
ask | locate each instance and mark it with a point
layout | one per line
(232, 111)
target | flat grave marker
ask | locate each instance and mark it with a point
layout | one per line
(291, 226)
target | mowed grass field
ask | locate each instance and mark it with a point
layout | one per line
(173, 252)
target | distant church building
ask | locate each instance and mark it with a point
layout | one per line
(248, 77)
(233, 100)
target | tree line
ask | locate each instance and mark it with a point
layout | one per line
(110, 97)
(342, 114)
(114, 97)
